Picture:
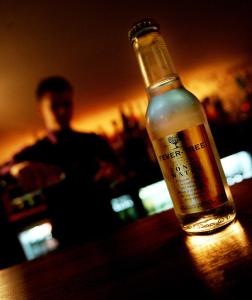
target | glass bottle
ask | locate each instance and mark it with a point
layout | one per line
(179, 131)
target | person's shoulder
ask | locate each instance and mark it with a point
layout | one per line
(88, 136)
(28, 151)
(39, 143)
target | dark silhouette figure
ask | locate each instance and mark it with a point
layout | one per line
(75, 170)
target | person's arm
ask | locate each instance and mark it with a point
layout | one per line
(30, 170)
(109, 165)
(25, 154)
(6, 167)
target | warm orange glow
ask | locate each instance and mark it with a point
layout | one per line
(204, 243)
(214, 79)
(211, 253)
(13, 144)
(207, 80)
(9, 280)
(102, 120)
(16, 168)
(97, 121)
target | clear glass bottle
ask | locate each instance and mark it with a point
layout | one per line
(181, 137)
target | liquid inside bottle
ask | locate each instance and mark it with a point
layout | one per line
(188, 158)
(181, 137)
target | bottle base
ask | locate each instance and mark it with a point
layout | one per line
(199, 224)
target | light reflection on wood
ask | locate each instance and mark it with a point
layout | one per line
(12, 285)
(214, 254)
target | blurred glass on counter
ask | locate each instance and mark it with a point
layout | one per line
(155, 197)
(237, 167)
(37, 240)
(125, 208)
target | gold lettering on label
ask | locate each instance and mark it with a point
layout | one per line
(190, 170)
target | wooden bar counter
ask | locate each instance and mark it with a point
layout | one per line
(150, 258)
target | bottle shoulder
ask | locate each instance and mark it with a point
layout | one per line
(172, 111)
(174, 100)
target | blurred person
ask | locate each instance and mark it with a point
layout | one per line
(74, 169)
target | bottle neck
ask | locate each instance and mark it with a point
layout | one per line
(154, 60)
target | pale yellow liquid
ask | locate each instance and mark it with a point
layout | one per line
(172, 109)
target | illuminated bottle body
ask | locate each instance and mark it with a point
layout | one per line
(182, 140)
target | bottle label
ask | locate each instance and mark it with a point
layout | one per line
(190, 170)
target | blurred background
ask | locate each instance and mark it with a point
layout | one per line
(86, 42)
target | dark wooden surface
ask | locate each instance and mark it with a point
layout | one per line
(148, 259)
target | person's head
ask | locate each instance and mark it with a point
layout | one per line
(55, 98)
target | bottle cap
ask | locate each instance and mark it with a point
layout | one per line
(142, 27)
